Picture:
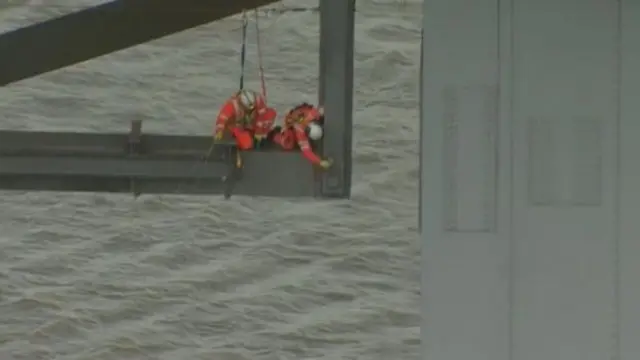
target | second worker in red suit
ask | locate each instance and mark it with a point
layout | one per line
(247, 117)
(302, 124)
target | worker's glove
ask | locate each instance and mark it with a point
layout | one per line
(325, 164)
(258, 140)
(218, 136)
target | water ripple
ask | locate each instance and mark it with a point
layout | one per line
(96, 276)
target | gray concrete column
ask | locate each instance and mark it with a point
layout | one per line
(465, 180)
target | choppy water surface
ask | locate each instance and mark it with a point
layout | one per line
(94, 276)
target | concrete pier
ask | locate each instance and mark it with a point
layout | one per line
(530, 173)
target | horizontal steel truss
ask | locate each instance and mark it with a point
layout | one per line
(149, 163)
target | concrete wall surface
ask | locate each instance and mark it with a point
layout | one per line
(531, 180)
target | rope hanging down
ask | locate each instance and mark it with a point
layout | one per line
(243, 49)
(243, 55)
(260, 68)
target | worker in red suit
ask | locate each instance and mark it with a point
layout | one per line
(302, 124)
(247, 117)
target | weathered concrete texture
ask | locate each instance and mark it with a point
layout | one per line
(628, 247)
(530, 180)
(103, 29)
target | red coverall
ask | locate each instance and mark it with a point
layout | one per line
(245, 125)
(294, 131)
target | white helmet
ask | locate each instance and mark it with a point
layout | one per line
(247, 99)
(314, 131)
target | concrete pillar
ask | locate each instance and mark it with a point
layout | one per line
(530, 180)
(465, 184)
(628, 249)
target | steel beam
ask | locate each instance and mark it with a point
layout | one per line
(108, 167)
(265, 174)
(103, 29)
(147, 163)
(337, 18)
